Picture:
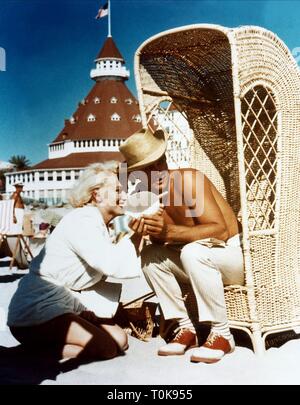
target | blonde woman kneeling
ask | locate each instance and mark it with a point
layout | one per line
(52, 305)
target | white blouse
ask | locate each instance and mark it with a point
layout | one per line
(69, 272)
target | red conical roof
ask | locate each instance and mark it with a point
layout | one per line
(109, 50)
(98, 105)
(103, 127)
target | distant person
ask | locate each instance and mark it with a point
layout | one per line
(18, 203)
(61, 304)
(11, 244)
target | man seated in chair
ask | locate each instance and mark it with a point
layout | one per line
(193, 210)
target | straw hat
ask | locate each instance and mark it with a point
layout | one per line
(143, 148)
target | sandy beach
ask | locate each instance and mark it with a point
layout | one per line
(140, 365)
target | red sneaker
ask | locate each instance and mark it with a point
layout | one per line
(214, 349)
(185, 339)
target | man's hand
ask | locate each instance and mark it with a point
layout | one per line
(138, 226)
(156, 226)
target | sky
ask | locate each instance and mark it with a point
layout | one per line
(50, 47)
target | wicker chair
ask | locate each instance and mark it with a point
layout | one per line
(239, 90)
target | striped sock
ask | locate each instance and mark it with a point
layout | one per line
(221, 328)
(186, 323)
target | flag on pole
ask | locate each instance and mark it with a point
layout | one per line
(103, 11)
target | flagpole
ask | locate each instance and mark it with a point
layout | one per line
(109, 20)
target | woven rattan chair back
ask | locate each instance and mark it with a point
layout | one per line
(239, 92)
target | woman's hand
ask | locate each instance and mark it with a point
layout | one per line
(138, 226)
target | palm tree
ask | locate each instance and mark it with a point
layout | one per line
(20, 162)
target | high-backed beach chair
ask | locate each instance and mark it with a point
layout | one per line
(239, 90)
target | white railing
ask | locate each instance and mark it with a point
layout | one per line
(107, 71)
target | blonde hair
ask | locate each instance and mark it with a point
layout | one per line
(93, 177)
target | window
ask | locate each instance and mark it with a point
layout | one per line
(115, 117)
(113, 100)
(91, 118)
(97, 100)
(72, 120)
(136, 118)
(128, 101)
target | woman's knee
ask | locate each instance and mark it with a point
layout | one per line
(97, 352)
(122, 341)
(120, 345)
(102, 348)
(118, 335)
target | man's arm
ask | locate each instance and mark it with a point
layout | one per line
(211, 221)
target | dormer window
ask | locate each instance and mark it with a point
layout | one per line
(113, 100)
(91, 118)
(72, 120)
(115, 117)
(83, 101)
(136, 118)
(97, 100)
(128, 101)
